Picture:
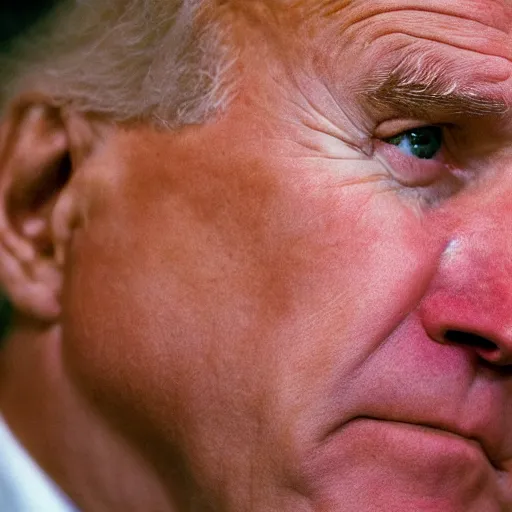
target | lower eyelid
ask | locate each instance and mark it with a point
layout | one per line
(409, 170)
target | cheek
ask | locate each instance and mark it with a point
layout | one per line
(202, 308)
(362, 264)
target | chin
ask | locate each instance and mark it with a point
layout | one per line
(397, 501)
(387, 466)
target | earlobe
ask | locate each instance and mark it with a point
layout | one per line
(36, 166)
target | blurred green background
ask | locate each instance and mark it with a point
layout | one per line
(16, 16)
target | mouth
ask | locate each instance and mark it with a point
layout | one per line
(476, 441)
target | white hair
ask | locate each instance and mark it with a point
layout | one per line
(163, 61)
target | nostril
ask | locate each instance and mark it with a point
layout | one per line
(470, 340)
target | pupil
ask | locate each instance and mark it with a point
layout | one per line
(425, 142)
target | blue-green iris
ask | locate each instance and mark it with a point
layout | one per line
(422, 143)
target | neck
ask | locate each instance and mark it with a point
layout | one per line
(87, 458)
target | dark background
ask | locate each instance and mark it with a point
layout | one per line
(15, 17)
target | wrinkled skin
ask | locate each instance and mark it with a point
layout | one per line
(267, 302)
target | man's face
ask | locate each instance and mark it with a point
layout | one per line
(306, 305)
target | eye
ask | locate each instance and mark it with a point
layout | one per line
(418, 156)
(424, 142)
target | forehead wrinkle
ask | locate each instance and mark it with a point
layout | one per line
(424, 83)
(299, 12)
(327, 8)
(496, 15)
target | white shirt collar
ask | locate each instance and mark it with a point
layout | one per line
(23, 485)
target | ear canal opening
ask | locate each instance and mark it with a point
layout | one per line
(36, 195)
(37, 201)
(52, 184)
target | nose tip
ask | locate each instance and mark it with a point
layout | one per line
(469, 303)
(457, 321)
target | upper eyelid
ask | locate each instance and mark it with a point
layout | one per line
(389, 134)
(394, 127)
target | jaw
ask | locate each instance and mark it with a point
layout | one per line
(64, 433)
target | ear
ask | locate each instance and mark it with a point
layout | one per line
(41, 148)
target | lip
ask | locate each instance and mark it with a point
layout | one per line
(477, 439)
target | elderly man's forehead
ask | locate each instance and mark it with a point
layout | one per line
(292, 7)
(315, 5)
(493, 13)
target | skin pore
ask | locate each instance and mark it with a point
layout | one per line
(283, 309)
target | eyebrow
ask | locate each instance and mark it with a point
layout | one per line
(419, 87)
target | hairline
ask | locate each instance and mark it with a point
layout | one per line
(183, 75)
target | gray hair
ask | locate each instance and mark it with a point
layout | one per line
(163, 61)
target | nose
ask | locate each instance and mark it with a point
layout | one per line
(469, 303)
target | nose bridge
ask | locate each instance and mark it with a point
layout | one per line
(471, 292)
(481, 234)
(477, 265)
(484, 238)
